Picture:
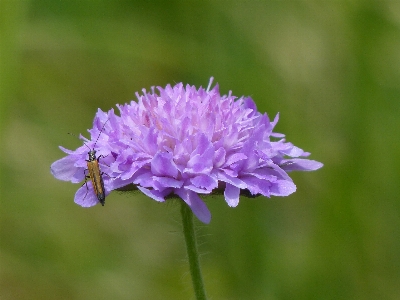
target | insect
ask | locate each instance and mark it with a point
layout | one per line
(95, 173)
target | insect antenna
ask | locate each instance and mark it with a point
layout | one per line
(78, 138)
(104, 125)
(90, 149)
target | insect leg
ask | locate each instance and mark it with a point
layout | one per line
(102, 156)
(102, 173)
(86, 178)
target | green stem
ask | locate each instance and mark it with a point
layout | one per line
(193, 255)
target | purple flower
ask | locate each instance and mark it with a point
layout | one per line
(187, 141)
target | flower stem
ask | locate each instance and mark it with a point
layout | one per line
(193, 255)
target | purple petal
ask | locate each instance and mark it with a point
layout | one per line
(219, 157)
(250, 104)
(293, 151)
(282, 188)
(197, 165)
(85, 196)
(298, 164)
(156, 195)
(64, 169)
(202, 159)
(114, 183)
(150, 141)
(235, 158)
(65, 150)
(258, 186)
(163, 165)
(205, 181)
(165, 182)
(144, 179)
(231, 180)
(196, 205)
(232, 195)
(197, 189)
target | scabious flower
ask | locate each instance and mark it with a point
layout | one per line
(185, 141)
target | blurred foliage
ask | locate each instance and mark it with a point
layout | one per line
(332, 70)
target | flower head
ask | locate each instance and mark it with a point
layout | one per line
(186, 141)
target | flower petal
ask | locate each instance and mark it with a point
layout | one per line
(232, 180)
(163, 165)
(258, 186)
(232, 195)
(205, 181)
(282, 188)
(196, 204)
(156, 195)
(64, 169)
(298, 164)
(165, 182)
(202, 160)
(85, 196)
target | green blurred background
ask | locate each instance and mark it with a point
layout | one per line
(332, 70)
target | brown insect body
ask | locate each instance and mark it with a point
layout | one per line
(95, 176)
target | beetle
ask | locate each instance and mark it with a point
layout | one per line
(95, 174)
